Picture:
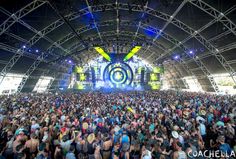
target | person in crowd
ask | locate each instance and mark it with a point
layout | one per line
(70, 154)
(179, 153)
(107, 146)
(91, 146)
(116, 125)
(224, 147)
(32, 145)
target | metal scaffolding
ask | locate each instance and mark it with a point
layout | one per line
(20, 14)
(169, 19)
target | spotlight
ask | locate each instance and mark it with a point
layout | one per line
(37, 50)
(202, 49)
(191, 52)
(70, 61)
(24, 46)
(176, 57)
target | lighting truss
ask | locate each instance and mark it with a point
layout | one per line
(221, 17)
(168, 21)
(20, 14)
(149, 11)
(140, 22)
(221, 50)
(94, 22)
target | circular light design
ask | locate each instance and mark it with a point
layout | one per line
(118, 74)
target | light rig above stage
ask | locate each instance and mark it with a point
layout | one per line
(112, 70)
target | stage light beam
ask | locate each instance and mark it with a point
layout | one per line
(131, 53)
(103, 53)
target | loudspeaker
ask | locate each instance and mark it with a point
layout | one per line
(147, 77)
(93, 76)
(142, 77)
(87, 76)
(159, 77)
(77, 76)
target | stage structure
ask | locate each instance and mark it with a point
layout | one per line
(117, 71)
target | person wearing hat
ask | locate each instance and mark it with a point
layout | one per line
(174, 139)
(175, 134)
(91, 146)
(84, 127)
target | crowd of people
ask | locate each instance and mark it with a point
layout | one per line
(120, 125)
